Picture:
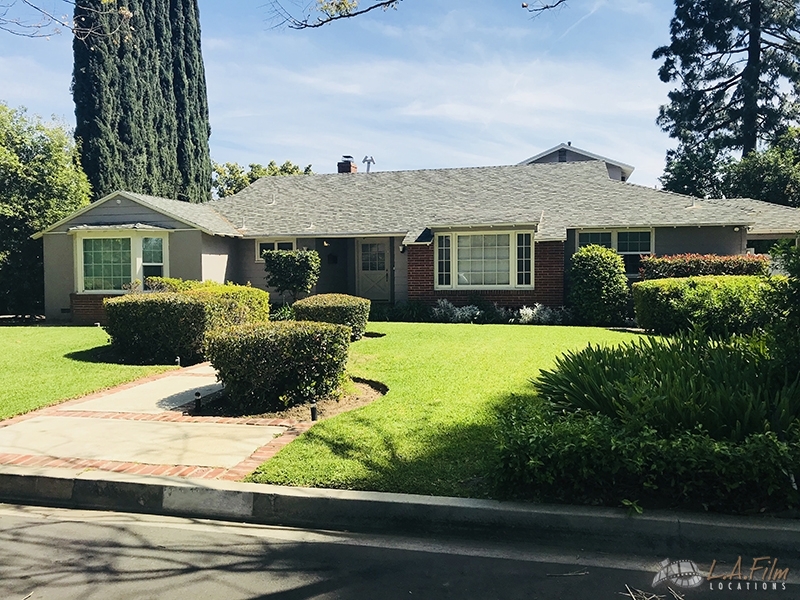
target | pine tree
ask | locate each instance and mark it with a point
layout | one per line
(737, 64)
(140, 101)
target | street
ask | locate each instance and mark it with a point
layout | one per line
(50, 553)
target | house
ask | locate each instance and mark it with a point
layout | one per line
(503, 233)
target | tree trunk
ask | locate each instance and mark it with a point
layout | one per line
(750, 81)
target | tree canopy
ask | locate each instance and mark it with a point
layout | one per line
(736, 66)
(140, 101)
(230, 177)
(41, 182)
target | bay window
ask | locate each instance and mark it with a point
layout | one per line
(109, 261)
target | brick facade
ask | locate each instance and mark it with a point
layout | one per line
(87, 309)
(548, 279)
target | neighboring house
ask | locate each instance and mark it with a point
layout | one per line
(505, 234)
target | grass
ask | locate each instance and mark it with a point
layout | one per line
(433, 432)
(41, 366)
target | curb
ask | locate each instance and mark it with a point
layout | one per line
(586, 528)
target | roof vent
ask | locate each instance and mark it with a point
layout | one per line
(347, 164)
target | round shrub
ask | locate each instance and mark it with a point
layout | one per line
(719, 305)
(271, 366)
(598, 286)
(233, 304)
(335, 308)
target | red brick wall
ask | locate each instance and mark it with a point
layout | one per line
(548, 274)
(87, 309)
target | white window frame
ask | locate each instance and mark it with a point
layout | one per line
(512, 260)
(137, 264)
(614, 240)
(276, 241)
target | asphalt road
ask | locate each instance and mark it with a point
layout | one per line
(55, 554)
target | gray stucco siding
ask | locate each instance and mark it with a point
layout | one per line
(59, 275)
(121, 210)
(700, 240)
(186, 254)
(400, 272)
(218, 258)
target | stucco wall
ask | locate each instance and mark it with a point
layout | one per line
(59, 275)
(218, 258)
(700, 240)
(185, 254)
(400, 272)
(121, 210)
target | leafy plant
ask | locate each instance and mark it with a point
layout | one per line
(335, 308)
(692, 265)
(539, 314)
(269, 366)
(720, 305)
(730, 387)
(293, 271)
(446, 312)
(598, 287)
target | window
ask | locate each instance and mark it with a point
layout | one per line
(630, 244)
(443, 260)
(600, 238)
(264, 245)
(484, 260)
(108, 262)
(373, 257)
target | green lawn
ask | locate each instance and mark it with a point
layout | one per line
(433, 431)
(40, 366)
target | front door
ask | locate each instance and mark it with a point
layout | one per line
(373, 268)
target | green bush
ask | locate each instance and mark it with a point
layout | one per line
(731, 388)
(173, 284)
(598, 286)
(584, 457)
(721, 305)
(784, 299)
(160, 326)
(335, 308)
(293, 271)
(693, 265)
(270, 366)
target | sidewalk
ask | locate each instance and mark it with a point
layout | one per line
(143, 428)
(134, 449)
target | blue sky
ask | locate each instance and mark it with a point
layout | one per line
(436, 83)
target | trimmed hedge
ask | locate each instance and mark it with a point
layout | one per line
(717, 304)
(335, 308)
(174, 284)
(270, 366)
(583, 457)
(693, 265)
(598, 286)
(293, 271)
(158, 327)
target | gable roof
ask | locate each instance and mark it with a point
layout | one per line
(554, 196)
(198, 216)
(626, 169)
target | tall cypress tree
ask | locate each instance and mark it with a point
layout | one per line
(140, 100)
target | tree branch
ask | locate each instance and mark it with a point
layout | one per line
(51, 24)
(540, 6)
(332, 10)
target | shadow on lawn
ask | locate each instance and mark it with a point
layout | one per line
(457, 460)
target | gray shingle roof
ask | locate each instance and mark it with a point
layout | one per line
(203, 216)
(769, 218)
(558, 196)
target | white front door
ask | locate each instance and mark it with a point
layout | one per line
(373, 257)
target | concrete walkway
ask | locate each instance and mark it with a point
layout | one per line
(145, 428)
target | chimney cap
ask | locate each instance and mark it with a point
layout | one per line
(347, 158)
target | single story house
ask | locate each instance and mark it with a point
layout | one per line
(504, 233)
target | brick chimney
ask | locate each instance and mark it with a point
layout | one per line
(347, 165)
